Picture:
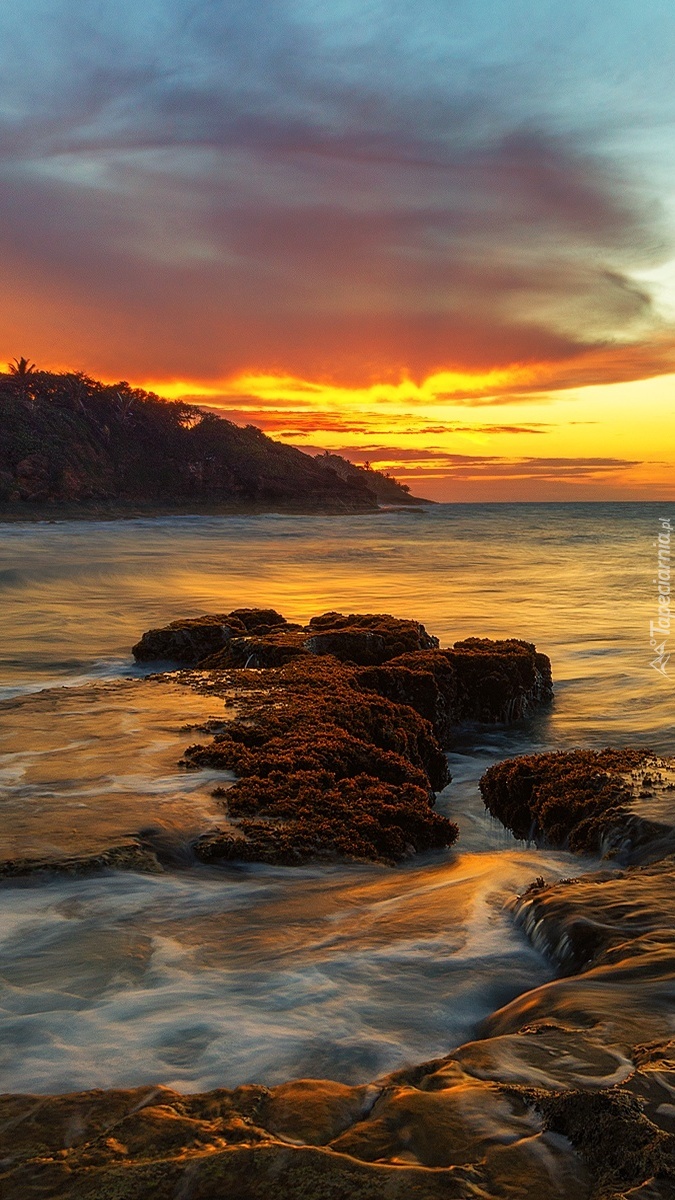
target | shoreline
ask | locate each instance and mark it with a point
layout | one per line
(55, 514)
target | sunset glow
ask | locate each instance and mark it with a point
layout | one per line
(449, 252)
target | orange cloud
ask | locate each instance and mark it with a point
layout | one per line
(509, 384)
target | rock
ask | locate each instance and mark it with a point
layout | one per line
(614, 1136)
(583, 923)
(258, 651)
(339, 747)
(310, 1138)
(475, 680)
(196, 640)
(189, 640)
(128, 857)
(258, 620)
(326, 771)
(349, 645)
(590, 800)
(315, 1111)
(366, 638)
(499, 681)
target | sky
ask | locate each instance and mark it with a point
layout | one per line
(436, 237)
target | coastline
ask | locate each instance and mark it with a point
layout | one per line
(52, 514)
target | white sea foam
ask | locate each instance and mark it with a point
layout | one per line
(207, 979)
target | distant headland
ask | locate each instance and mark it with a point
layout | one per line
(73, 446)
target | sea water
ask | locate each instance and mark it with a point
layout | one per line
(205, 977)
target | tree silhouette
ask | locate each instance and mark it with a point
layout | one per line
(23, 371)
(21, 367)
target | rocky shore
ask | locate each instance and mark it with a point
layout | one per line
(567, 1093)
(336, 745)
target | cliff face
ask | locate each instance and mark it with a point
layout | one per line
(68, 439)
(385, 489)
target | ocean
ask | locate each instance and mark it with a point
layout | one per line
(205, 977)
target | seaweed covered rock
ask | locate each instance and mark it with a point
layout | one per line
(499, 681)
(325, 770)
(590, 800)
(338, 745)
(261, 637)
(259, 650)
(201, 641)
(474, 680)
(258, 620)
(366, 638)
(188, 640)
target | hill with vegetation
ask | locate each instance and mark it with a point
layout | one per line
(68, 441)
(383, 486)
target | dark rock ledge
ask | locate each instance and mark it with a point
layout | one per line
(338, 743)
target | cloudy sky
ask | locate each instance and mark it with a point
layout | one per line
(440, 236)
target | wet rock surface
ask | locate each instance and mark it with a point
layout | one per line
(594, 801)
(131, 856)
(447, 1128)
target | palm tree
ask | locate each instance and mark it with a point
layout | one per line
(22, 370)
(21, 367)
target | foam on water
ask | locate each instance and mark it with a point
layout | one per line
(213, 979)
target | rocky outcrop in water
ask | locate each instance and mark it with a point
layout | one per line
(325, 770)
(495, 682)
(475, 680)
(605, 800)
(338, 746)
(263, 638)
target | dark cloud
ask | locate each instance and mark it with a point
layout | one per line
(207, 188)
